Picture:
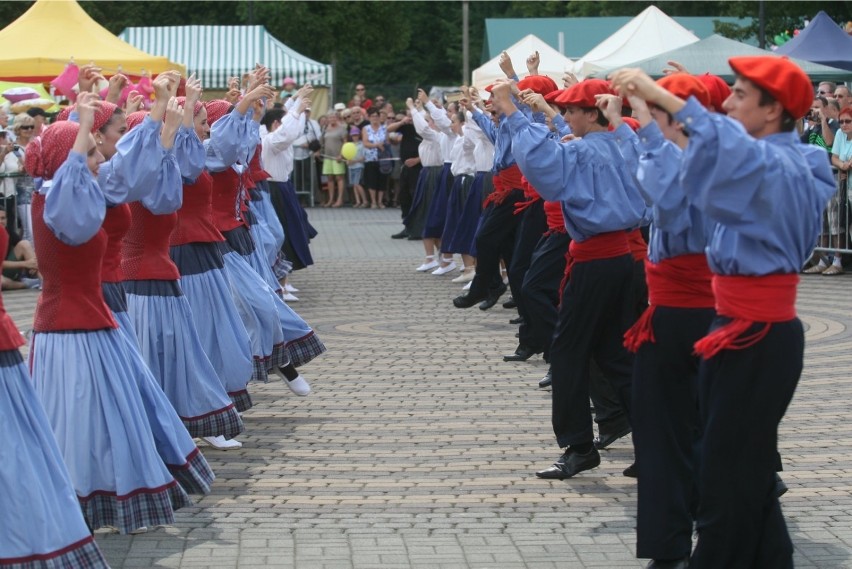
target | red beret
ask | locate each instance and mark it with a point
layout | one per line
(632, 123)
(583, 93)
(541, 84)
(553, 95)
(719, 90)
(781, 78)
(684, 85)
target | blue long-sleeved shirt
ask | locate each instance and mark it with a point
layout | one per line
(678, 228)
(500, 137)
(232, 140)
(588, 176)
(190, 154)
(765, 195)
(74, 205)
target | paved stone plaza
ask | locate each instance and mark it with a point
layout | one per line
(418, 446)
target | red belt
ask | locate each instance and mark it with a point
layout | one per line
(603, 246)
(680, 282)
(530, 194)
(505, 181)
(555, 219)
(767, 299)
(638, 247)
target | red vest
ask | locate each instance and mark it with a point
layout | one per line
(195, 217)
(145, 253)
(10, 337)
(227, 200)
(116, 224)
(71, 297)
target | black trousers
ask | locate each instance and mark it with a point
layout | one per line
(540, 291)
(532, 227)
(495, 239)
(742, 397)
(665, 431)
(597, 308)
(407, 183)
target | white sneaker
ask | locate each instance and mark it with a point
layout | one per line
(289, 297)
(290, 288)
(444, 270)
(428, 266)
(299, 386)
(465, 277)
(222, 443)
(139, 530)
(467, 286)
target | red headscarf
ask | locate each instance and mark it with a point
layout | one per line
(216, 110)
(102, 116)
(135, 119)
(198, 105)
(46, 153)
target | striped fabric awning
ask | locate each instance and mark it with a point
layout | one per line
(215, 53)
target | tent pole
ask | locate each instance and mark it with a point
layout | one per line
(465, 43)
(761, 15)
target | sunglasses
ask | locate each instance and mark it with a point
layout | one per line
(30, 127)
(823, 92)
(845, 121)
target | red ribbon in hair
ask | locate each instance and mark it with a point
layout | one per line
(767, 299)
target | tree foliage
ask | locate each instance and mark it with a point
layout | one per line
(398, 46)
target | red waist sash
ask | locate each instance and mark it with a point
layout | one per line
(638, 247)
(530, 196)
(505, 181)
(555, 219)
(603, 246)
(679, 282)
(767, 299)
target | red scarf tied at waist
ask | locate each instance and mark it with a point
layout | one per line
(638, 247)
(505, 181)
(530, 194)
(555, 219)
(768, 299)
(679, 282)
(603, 246)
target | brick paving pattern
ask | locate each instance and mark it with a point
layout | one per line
(418, 446)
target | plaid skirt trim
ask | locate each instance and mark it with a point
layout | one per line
(242, 399)
(259, 372)
(145, 507)
(280, 356)
(83, 554)
(305, 349)
(195, 475)
(225, 422)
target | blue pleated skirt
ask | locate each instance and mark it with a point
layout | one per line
(468, 200)
(424, 190)
(294, 220)
(221, 331)
(86, 383)
(256, 307)
(170, 346)
(455, 206)
(174, 445)
(40, 522)
(437, 213)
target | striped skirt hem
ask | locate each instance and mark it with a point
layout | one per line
(305, 349)
(83, 554)
(195, 476)
(242, 399)
(225, 422)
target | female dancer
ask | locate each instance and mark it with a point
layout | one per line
(96, 412)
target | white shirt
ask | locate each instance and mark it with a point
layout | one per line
(463, 157)
(277, 154)
(430, 149)
(484, 151)
(310, 131)
(445, 127)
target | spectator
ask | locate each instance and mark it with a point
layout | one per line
(339, 108)
(356, 169)
(820, 130)
(360, 98)
(333, 137)
(305, 148)
(24, 129)
(10, 168)
(842, 96)
(841, 158)
(20, 268)
(374, 137)
(288, 88)
(826, 88)
(379, 102)
(40, 117)
(410, 170)
(4, 119)
(360, 118)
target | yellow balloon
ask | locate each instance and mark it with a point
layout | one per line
(349, 150)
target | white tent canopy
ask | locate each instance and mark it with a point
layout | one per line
(552, 63)
(648, 34)
(215, 53)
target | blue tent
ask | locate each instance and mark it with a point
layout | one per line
(822, 41)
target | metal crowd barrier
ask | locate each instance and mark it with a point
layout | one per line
(835, 233)
(305, 178)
